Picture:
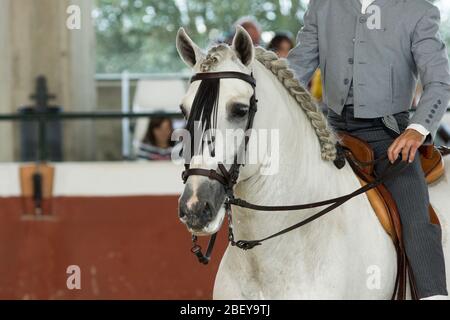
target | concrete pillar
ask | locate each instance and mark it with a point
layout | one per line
(6, 128)
(37, 41)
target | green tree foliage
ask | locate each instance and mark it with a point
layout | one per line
(139, 35)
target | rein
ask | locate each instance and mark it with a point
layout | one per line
(334, 203)
(228, 178)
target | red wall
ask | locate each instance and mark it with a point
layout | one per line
(126, 247)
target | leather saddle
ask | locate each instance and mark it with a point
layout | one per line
(360, 156)
(380, 198)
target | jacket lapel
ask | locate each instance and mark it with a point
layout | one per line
(356, 4)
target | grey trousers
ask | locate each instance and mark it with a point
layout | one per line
(423, 240)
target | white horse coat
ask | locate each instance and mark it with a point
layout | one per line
(345, 254)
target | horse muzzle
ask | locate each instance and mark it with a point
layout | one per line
(201, 210)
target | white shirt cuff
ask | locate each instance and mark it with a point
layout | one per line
(419, 128)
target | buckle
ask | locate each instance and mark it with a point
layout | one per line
(196, 249)
(247, 245)
(211, 174)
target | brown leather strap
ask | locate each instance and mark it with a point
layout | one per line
(392, 206)
(412, 281)
(390, 172)
(225, 75)
(226, 178)
(402, 269)
(427, 151)
(360, 151)
(445, 151)
(197, 250)
(211, 174)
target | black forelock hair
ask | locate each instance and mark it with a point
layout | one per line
(204, 111)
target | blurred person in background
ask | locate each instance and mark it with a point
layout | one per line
(157, 144)
(251, 25)
(281, 44)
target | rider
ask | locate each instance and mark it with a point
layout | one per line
(371, 53)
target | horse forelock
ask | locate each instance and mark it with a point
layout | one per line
(216, 55)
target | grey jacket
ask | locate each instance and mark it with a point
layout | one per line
(383, 57)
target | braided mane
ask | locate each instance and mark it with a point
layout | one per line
(279, 67)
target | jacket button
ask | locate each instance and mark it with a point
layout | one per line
(430, 116)
(436, 106)
(350, 60)
(346, 81)
(427, 121)
(439, 102)
(433, 111)
(363, 19)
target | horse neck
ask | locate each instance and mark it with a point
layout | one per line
(303, 176)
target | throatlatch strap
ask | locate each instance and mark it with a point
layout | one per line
(197, 250)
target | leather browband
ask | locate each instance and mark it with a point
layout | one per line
(225, 75)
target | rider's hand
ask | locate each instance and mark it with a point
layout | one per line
(406, 144)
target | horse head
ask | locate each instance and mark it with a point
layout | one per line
(214, 108)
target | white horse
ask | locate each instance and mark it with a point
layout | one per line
(345, 254)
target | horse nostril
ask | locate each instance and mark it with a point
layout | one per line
(182, 213)
(207, 212)
(197, 216)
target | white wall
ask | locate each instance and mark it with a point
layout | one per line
(103, 179)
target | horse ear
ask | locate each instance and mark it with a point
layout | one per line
(243, 45)
(189, 52)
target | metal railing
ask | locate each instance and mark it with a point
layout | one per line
(44, 117)
(84, 115)
(42, 114)
(141, 76)
(125, 78)
(126, 114)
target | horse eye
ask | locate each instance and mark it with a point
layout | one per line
(238, 110)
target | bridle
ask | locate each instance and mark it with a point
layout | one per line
(228, 179)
